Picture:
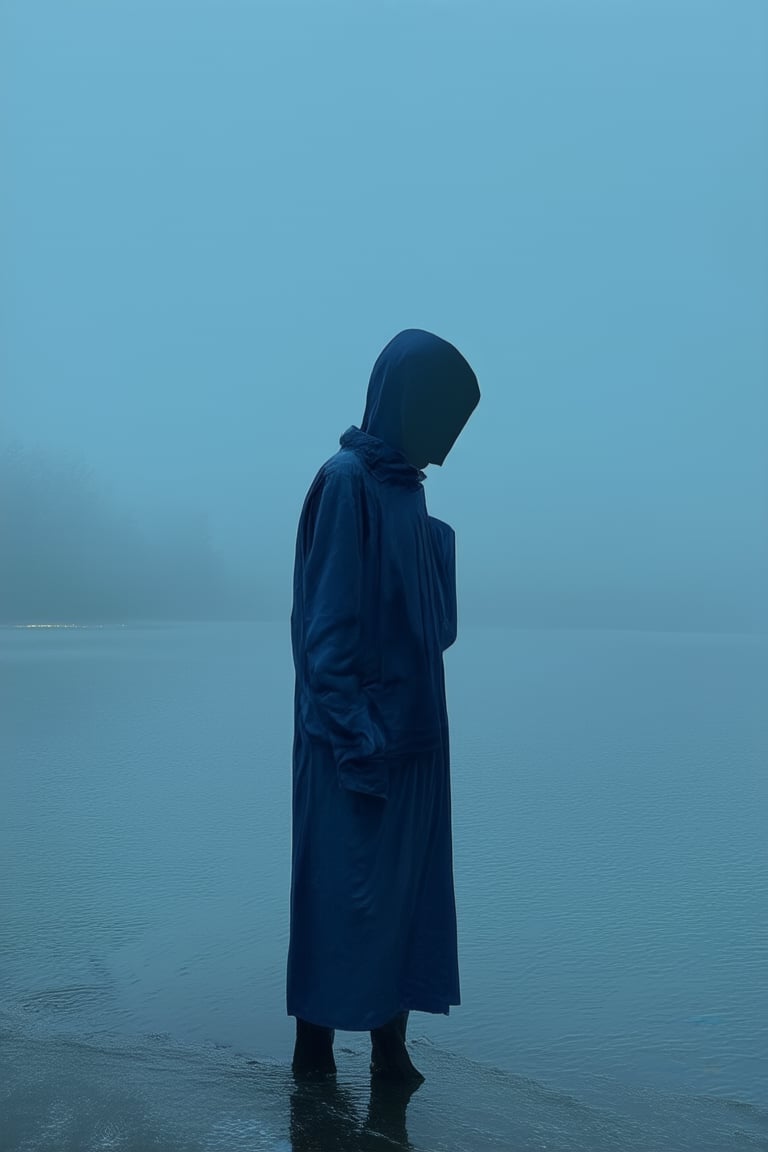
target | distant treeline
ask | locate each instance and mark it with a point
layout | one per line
(69, 552)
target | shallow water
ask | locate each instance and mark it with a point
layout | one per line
(85, 1093)
(610, 797)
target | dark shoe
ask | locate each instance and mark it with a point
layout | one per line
(389, 1055)
(313, 1053)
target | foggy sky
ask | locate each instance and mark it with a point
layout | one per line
(214, 215)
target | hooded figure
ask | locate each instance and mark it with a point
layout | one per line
(373, 917)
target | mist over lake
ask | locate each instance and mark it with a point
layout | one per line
(212, 218)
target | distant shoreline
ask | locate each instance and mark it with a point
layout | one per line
(166, 622)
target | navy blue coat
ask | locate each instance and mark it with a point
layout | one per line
(373, 917)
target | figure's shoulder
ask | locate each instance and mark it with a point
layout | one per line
(338, 491)
(341, 473)
(343, 464)
(344, 469)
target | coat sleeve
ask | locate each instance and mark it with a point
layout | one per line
(333, 599)
(444, 547)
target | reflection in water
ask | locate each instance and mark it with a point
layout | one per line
(324, 1117)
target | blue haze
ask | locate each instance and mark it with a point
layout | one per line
(214, 215)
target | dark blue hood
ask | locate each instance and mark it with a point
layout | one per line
(413, 360)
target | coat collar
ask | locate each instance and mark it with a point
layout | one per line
(385, 462)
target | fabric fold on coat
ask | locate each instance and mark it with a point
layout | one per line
(333, 598)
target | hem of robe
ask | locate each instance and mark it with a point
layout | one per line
(375, 1020)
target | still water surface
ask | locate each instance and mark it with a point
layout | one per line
(611, 858)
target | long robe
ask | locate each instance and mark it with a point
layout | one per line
(373, 916)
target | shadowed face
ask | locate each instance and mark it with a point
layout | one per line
(434, 413)
(421, 393)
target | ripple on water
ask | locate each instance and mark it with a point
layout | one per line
(87, 1094)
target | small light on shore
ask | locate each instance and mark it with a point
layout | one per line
(48, 625)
